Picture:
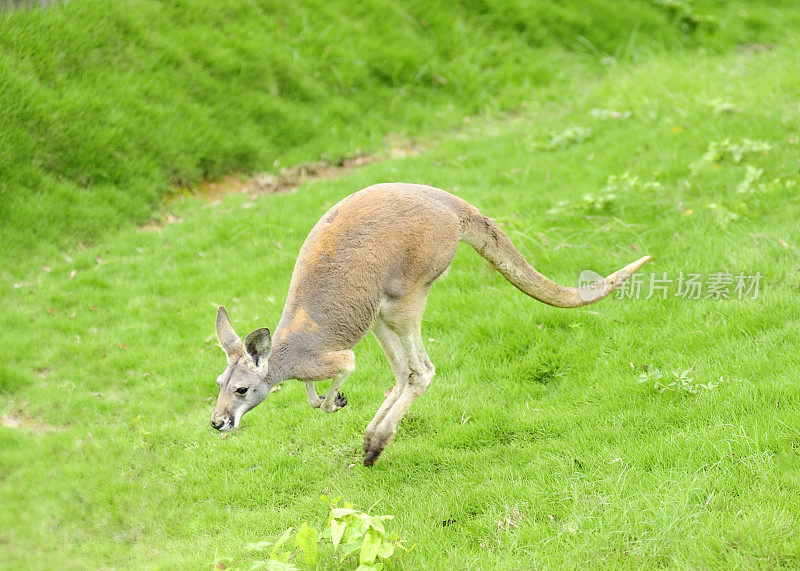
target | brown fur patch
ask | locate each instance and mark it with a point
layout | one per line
(325, 366)
(321, 249)
(301, 321)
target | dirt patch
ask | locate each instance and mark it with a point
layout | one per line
(288, 180)
(756, 47)
(18, 419)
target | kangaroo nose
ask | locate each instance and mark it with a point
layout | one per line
(216, 424)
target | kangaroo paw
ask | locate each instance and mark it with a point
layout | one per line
(338, 403)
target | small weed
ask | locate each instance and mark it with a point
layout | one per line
(682, 11)
(751, 176)
(722, 106)
(572, 135)
(720, 151)
(723, 215)
(349, 531)
(598, 202)
(606, 114)
(616, 187)
(559, 208)
(682, 381)
(752, 183)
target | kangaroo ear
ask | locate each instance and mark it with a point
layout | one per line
(230, 342)
(256, 347)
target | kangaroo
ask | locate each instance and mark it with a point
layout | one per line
(368, 264)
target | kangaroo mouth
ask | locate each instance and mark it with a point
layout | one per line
(222, 426)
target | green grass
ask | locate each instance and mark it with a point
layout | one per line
(106, 107)
(533, 409)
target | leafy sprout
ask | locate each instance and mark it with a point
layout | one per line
(348, 532)
(677, 382)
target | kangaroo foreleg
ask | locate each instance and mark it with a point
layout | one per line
(336, 365)
(316, 401)
(334, 400)
(313, 398)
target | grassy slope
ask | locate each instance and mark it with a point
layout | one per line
(534, 408)
(104, 106)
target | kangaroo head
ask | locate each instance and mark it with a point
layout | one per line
(243, 384)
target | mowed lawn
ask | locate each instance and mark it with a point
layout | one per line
(535, 446)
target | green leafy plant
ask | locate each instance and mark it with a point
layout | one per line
(607, 114)
(719, 151)
(280, 557)
(722, 106)
(572, 135)
(352, 531)
(617, 186)
(348, 532)
(682, 381)
(683, 12)
(722, 214)
(752, 176)
(752, 182)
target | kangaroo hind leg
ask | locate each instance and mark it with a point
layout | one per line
(420, 373)
(393, 349)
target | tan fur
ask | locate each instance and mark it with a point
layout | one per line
(300, 322)
(368, 264)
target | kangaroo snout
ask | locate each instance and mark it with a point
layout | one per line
(221, 423)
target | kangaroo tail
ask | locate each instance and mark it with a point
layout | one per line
(491, 242)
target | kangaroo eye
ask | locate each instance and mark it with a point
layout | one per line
(241, 390)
